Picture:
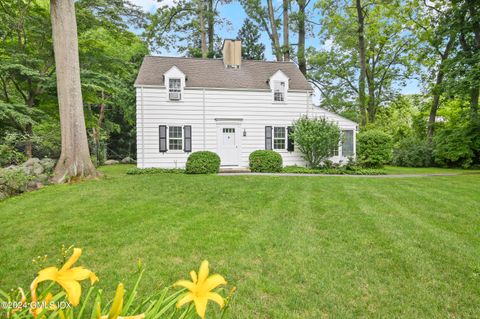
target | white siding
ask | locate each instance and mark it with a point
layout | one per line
(200, 107)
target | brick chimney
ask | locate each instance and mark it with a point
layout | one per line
(232, 53)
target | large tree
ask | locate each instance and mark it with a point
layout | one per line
(387, 49)
(252, 48)
(75, 155)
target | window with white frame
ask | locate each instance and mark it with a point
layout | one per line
(279, 138)
(347, 145)
(279, 91)
(175, 138)
(174, 89)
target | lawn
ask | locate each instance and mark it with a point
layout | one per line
(295, 247)
(394, 170)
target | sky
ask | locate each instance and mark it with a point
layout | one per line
(236, 15)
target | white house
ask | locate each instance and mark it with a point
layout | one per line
(227, 106)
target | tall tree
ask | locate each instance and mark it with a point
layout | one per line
(301, 25)
(388, 47)
(26, 59)
(265, 18)
(252, 48)
(75, 155)
(286, 41)
(362, 62)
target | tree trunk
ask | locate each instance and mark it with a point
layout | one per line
(211, 27)
(302, 62)
(201, 18)
(75, 156)
(286, 41)
(274, 37)
(372, 101)
(474, 94)
(437, 91)
(28, 140)
(363, 66)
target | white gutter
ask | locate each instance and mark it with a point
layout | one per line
(204, 126)
(143, 124)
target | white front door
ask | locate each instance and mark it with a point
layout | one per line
(228, 141)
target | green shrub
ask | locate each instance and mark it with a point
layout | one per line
(13, 182)
(412, 152)
(264, 161)
(153, 171)
(9, 155)
(457, 145)
(316, 138)
(203, 162)
(374, 149)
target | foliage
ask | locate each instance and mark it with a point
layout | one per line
(388, 45)
(265, 161)
(203, 162)
(334, 170)
(153, 171)
(412, 152)
(457, 145)
(66, 304)
(374, 149)
(13, 182)
(9, 155)
(316, 138)
(252, 48)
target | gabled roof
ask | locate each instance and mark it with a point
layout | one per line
(211, 73)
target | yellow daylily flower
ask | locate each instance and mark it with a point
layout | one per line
(117, 306)
(200, 289)
(67, 277)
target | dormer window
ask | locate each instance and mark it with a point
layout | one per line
(279, 91)
(174, 89)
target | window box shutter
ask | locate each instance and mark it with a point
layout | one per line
(268, 137)
(162, 138)
(187, 138)
(291, 142)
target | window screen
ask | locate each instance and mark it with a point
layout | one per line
(347, 145)
(279, 91)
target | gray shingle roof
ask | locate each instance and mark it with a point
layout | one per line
(211, 73)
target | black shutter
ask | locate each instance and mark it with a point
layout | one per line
(268, 137)
(187, 138)
(162, 138)
(291, 144)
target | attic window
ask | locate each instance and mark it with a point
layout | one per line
(174, 89)
(279, 91)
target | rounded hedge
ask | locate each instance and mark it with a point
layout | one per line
(374, 149)
(412, 152)
(203, 162)
(265, 162)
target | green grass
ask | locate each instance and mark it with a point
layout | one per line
(390, 170)
(296, 247)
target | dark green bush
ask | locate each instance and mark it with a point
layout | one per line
(374, 149)
(457, 145)
(265, 162)
(203, 162)
(412, 152)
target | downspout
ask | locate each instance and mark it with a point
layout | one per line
(143, 124)
(204, 134)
